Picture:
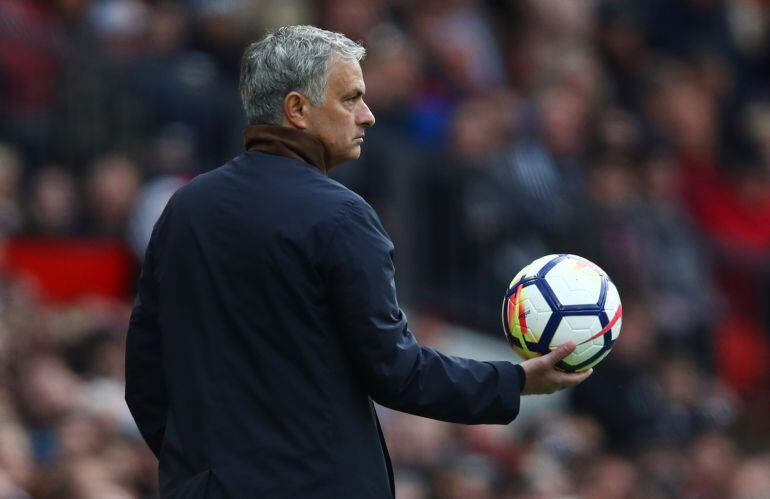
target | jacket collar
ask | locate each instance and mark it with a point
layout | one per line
(285, 141)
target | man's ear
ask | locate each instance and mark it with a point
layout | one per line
(295, 110)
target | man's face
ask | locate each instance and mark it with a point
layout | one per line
(339, 121)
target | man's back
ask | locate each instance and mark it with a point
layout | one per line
(263, 400)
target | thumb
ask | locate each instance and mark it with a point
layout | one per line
(585, 374)
(559, 353)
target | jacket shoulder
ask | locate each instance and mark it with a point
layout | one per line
(266, 183)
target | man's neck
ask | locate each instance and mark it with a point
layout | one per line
(287, 141)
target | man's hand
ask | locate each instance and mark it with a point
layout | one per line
(542, 377)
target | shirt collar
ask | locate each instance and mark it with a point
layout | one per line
(285, 141)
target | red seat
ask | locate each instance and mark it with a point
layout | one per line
(68, 269)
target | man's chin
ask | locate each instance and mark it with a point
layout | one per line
(352, 155)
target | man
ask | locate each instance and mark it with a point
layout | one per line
(266, 320)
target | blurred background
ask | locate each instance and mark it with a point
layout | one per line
(635, 133)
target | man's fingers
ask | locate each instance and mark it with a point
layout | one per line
(560, 352)
(572, 379)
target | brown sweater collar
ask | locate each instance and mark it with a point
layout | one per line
(285, 141)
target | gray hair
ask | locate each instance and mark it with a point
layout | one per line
(292, 58)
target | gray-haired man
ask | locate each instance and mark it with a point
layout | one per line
(266, 320)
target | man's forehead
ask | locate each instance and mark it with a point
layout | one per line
(346, 74)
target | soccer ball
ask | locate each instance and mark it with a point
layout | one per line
(558, 298)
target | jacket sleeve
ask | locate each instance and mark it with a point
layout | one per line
(397, 371)
(145, 381)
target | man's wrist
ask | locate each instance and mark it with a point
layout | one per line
(522, 377)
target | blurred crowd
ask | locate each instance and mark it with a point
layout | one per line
(635, 133)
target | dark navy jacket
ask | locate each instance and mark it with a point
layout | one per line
(265, 324)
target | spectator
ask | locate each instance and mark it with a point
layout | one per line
(53, 210)
(10, 183)
(111, 188)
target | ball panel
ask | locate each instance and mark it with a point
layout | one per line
(507, 326)
(612, 302)
(574, 282)
(516, 308)
(569, 364)
(588, 263)
(593, 362)
(536, 266)
(578, 328)
(616, 329)
(534, 313)
(510, 322)
(612, 324)
(525, 353)
(582, 353)
(523, 272)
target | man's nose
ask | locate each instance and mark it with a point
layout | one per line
(366, 118)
